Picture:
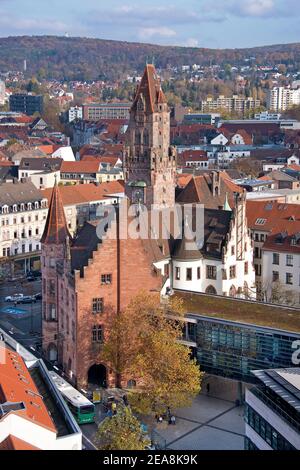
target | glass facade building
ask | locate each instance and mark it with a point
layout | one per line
(232, 350)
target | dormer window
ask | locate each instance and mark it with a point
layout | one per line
(5, 210)
(22, 207)
(36, 205)
(29, 206)
(15, 208)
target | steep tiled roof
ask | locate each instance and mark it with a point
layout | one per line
(81, 193)
(56, 231)
(280, 221)
(200, 189)
(18, 387)
(80, 167)
(150, 89)
(14, 443)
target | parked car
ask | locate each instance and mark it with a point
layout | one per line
(13, 298)
(30, 278)
(27, 299)
(38, 296)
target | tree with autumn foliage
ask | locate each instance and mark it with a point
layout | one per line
(142, 345)
(121, 432)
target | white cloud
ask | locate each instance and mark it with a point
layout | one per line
(150, 32)
(257, 7)
(192, 42)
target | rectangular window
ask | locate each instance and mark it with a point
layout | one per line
(97, 305)
(246, 268)
(105, 279)
(275, 276)
(97, 334)
(198, 273)
(276, 258)
(211, 272)
(52, 312)
(232, 272)
(289, 278)
(177, 274)
(289, 260)
(189, 274)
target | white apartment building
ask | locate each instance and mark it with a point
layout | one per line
(272, 412)
(239, 104)
(224, 264)
(281, 98)
(75, 112)
(23, 212)
(2, 93)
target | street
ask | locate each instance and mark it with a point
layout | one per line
(23, 321)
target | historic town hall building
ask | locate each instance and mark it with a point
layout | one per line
(88, 279)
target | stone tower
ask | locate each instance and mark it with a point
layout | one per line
(55, 253)
(150, 162)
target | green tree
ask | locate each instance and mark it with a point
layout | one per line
(121, 432)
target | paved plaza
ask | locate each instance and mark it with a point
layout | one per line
(209, 424)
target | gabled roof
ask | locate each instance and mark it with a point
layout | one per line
(18, 392)
(200, 189)
(149, 90)
(80, 167)
(56, 231)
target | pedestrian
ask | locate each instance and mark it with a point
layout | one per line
(160, 419)
(114, 408)
(169, 415)
(173, 419)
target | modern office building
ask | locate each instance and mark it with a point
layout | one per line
(272, 413)
(230, 338)
(26, 103)
(200, 118)
(96, 112)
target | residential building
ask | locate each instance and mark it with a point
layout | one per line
(234, 103)
(275, 229)
(282, 98)
(33, 414)
(193, 159)
(42, 172)
(97, 112)
(81, 201)
(272, 413)
(23, 212)
(2, 93)
(74, 113)
(223, 265)
(26, 103)
(89, 172)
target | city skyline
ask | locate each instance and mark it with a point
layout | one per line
(202, 23)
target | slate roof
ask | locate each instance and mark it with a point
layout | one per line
(18, 192)
(56, 231)
(151, 91)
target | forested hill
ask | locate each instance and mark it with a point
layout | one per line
(84, 58)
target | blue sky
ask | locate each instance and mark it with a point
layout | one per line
(203, 23)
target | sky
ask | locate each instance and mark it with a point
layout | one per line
(196, 23)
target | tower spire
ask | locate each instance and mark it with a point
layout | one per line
(56, 231)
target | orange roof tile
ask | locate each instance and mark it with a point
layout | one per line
(80, 167)
(16, 385)
(14, 443)
(55, 231)
(81, 193)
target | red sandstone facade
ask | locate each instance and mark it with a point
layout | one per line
(87, 280)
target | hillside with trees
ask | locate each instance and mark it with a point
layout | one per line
(88, 59)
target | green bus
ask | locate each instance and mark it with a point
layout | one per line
(82, 409)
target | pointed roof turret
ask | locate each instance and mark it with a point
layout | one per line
(150, 91)
(226, 204)
(56, 231)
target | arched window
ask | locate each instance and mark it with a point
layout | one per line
(232, 291)
(211, 290)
